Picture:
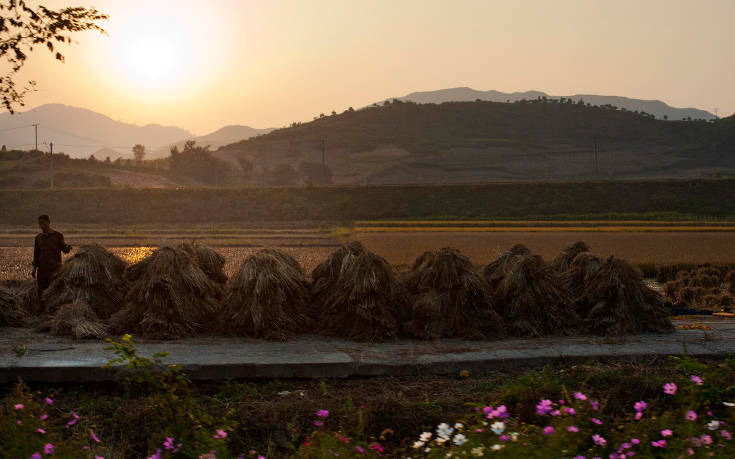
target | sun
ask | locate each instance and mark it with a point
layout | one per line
(159, 50)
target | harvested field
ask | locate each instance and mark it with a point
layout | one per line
(635, 247)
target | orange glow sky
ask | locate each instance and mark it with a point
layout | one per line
(204, 64)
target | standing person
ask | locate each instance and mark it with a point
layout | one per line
(47, 254)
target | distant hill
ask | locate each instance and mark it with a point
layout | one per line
(81, 132)
(461, 142)
(216, 139)
(654, 107)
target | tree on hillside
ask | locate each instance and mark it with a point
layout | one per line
(139, 152)
(23, 27)
(246, 166)
(198, 163)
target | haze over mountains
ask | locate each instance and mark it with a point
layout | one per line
(463, 94)
(80, 132)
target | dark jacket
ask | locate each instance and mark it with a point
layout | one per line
(47, 250)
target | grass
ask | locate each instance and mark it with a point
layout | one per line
(484, 229)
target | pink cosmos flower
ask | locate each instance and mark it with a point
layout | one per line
(36, 455)
(359, 449)
(71, 423)
(99, 457)
(696, 379)
(573, 429)
(596, 421)
(18, 406)
(548, 430)
(74, 415)
(41, 431)
(635, 441)
(580, 396)
(501, 412)
(598, 440)
(638, 415)
(670, 388)
(690, 452)
(640, 406)
(543, 407)
(659, 444)
(570, 411)
(726, 435)
(691, 415)
(322, 413)
(48, 401)
(556, 412)
(220, 434)
(44, 417)
(377, 447)
(94, 437)
(19, 422)
(706, 439)
(579, 457)
(48, 448)
(504, 438)
(318, 423)
(666, 433)
(594, 404)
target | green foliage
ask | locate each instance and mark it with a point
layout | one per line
(197, 162)
(659, 200)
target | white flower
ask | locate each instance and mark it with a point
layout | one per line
(728, 404)
(458, 426)
(441, 440)
(514, 436)
(418, 444)
(425, 436)
(449, 454)
(484, 423)
(498, 427)
(427, 449)
(479, 451)
(498, 447)
(460, 439)
(713, 425)
(443, 430)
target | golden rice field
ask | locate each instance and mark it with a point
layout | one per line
(401, 242)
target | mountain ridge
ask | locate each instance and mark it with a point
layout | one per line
(654, 107)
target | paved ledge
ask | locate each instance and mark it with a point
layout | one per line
(40, 357)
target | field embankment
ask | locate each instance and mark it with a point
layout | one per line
(606, 200)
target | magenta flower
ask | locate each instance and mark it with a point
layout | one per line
(44, 417)
(594, 404)
(19, 422)
(548, 430)
(505, 438)
(638, 415)
(543, 407)
(659, 444)
(635, 441)
(48, 401)
(41, 431)
(596, 421)
(94, 437)
(501, 412)
(99, 457)
(18, 406)
(666, 433)
(670, 388)
(359, 449)
(696, 380)
(573, 429)
(691, 415)
(48, 448)
(556, 412)
(570, 411)
(726, 435)
(598, 440)
(36, 455)
(220, 434)
(377, 447)
(318, 423)
(322, 413)
(71, 423)
(580, 396)
(706, 439)
(640, 406)
(579, 457)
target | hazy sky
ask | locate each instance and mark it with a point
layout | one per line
(203, 64)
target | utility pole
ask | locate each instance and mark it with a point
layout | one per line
(36, 128)
(51, 157)
(597, 166)
(324, 162)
